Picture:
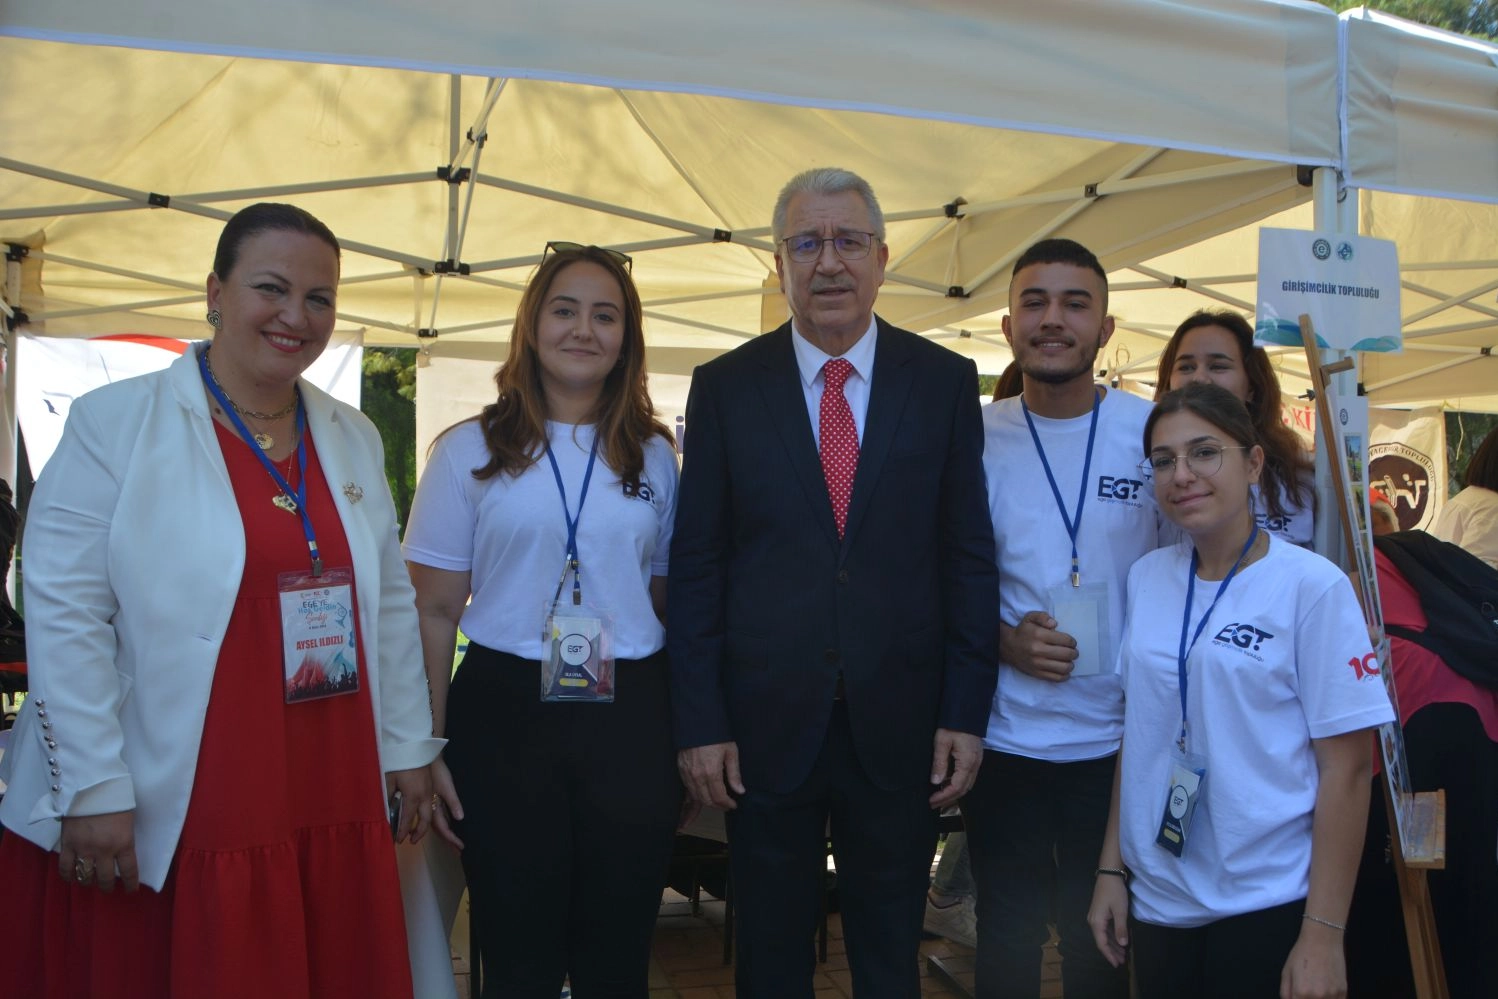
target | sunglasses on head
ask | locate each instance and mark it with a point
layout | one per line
(565, 246)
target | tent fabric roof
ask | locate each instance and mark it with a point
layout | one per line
(1140, 127)
(1420, 116)
(1012, 63)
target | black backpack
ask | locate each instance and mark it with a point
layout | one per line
(1459, 593)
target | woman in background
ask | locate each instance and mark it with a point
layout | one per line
(543, 526)
(1470, 518)
(1217, 348)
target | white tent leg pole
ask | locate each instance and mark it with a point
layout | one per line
(1334, 210)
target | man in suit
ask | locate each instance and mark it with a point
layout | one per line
(833, 602)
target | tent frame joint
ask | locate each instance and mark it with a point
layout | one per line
(450, 266)
(16, 252)
(722, 236)
(460, 175)
(426, 333)
(953, 208)
(956, 291)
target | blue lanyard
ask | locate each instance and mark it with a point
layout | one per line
(572, 522)
(1073, 526)
(1185, 650)
(298, 496)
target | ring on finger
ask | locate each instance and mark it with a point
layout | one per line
(83, 871)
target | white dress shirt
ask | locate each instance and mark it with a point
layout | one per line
(810, 360)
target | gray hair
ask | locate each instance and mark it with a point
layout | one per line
(826, 180)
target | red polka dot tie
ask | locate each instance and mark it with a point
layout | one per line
(838, 440)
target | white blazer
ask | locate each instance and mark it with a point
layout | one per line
(134, 550)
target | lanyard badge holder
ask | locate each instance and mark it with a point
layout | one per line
(576, 638)
(1080, 609)
(1188, 771)
(319, 654)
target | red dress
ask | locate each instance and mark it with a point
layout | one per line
(284, 883)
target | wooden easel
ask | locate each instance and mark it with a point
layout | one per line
(1417, 822)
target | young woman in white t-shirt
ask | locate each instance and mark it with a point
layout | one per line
(1217, 348)
(1242, 788)
(542, 527)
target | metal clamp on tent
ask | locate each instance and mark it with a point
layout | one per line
(956, 291)
(450, 267)
(426, 333)
(953, 208)
(159, 200)
(458, 176)
(722, 236)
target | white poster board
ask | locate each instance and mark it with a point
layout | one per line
(1348, 285)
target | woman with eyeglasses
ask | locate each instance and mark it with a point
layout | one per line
(1242, 788)
(1217, 348)
(542, 528)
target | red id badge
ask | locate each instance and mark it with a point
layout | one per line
(319, 655)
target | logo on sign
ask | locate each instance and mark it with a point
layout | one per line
(1344, 251)
(1321, 249)
(1403, 475)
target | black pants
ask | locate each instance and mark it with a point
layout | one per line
(570, 812)
(882, 841)
(1240, 956)
(1035, 829)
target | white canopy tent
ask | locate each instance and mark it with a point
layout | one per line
(1139, 128)
(644, 127)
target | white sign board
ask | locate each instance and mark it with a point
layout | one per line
(1348, 285)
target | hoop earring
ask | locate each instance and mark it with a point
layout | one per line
(215, 319)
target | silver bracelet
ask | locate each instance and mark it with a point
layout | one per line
(1323, 922)
(1114, 871)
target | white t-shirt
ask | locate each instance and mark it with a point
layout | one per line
(1080, 718)
(1272, 670)
(511, 534)
(1470, 519)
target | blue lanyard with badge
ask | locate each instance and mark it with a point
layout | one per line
(319, 651)
(1188, 770)
(577, 638)
(1080, 609)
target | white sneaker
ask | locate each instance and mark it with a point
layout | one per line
(957, 922)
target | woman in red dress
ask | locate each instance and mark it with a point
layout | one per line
(226, 675)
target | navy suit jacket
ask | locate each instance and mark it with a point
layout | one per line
(767, 606)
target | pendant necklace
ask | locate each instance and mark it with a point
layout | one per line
(263, 441)
(282, 499)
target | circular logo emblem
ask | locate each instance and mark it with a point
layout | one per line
(1406, 483)
(1321, 249)
(1344, 251)
(576, 649)
(1178, 800)
(1342, 415)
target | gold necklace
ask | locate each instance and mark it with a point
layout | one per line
(263, 441)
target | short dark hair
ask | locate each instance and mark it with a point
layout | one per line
(1212, 403)
(1482, 470)
(1060, 251)
(267, 216)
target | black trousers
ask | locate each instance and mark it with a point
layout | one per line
(1035, 829)
(1240, 957)
(882, 841)
(570, 813)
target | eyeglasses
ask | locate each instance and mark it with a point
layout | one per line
(563, 246)
(805, 247)
(1204, 460)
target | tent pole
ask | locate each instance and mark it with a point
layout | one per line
(1330, 214)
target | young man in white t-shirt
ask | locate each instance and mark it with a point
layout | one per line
(1070, 515)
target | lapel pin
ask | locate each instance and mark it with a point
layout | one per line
(353, 492)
